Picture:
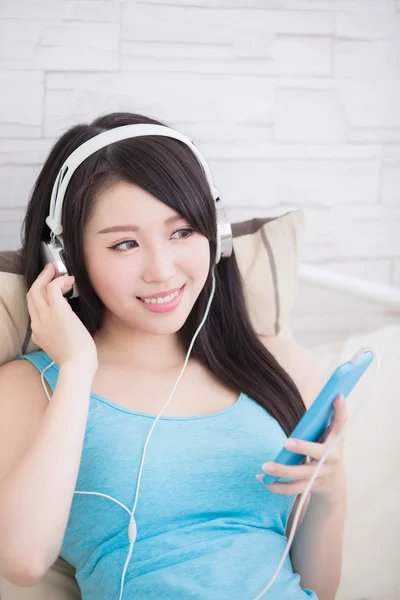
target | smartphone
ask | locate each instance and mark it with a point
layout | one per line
(312, 426)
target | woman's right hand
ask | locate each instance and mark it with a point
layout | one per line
(56, 329)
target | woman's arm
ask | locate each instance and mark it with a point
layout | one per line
(40, 451)
(316, 552)
(317, 548)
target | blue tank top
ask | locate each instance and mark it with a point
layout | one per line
(206, 527)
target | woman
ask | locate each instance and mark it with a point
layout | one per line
(139, 232)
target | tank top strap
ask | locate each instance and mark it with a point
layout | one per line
(45, 364)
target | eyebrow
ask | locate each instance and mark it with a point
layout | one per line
(115, 228)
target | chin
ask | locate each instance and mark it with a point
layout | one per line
(168, 327)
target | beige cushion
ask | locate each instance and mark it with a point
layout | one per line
(58, 584)
(14, 332)
(268, 254)
(372, 461)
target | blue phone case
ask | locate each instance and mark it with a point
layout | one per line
(317, 418)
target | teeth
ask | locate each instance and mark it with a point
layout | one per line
(161, 300)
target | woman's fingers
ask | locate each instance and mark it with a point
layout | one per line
(305, 471)
(44, 277)
(288, 488)
(339, 418)
(55, 289)
(46, 290)
(338, 423)
(312, 449)
(36, 296)
(300, 475)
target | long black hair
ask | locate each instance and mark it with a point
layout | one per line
(227, 344)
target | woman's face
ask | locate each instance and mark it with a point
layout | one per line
(137, 247)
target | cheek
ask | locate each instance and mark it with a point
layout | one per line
(109, 278)
(196, 261)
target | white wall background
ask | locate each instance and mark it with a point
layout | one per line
(294, 103)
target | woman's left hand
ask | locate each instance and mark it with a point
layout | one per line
(331, 476)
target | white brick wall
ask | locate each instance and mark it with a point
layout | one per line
(295, 103)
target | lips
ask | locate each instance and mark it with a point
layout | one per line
(160, 294)
(163, 306)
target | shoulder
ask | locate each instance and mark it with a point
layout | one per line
(23, 404)
(21, 379)
(15, 367)
(299, 363)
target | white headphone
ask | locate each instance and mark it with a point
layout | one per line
(53, 251)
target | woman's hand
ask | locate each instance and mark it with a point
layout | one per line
(56, 329)
(330, 478)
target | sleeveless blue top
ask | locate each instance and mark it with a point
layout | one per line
(206, 527)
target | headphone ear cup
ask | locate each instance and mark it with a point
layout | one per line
(218, 250)
(224, 234)
(53, 252)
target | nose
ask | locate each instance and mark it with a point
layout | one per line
(159, 265)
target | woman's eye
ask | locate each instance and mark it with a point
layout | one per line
(128, 243)
(187, 231)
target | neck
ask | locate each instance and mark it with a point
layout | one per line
(117, 343)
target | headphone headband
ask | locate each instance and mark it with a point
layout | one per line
(100, 141)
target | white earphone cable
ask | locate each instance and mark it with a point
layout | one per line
(132, 525)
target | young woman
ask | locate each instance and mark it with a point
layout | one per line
(139, 231)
